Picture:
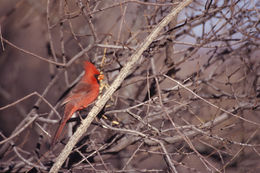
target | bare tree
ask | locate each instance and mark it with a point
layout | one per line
(183, 85)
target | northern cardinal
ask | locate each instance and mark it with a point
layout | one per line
(84, 93)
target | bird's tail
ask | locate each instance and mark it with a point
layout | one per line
(58, 132)
(68, 112)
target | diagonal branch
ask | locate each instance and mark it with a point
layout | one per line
(117, 82)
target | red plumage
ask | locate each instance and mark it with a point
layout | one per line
(83, 94)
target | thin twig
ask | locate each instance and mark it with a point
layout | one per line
(213, 105)
(117, 82)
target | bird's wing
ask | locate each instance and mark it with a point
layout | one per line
(81, 89)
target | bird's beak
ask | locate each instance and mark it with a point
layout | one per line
(100, 77)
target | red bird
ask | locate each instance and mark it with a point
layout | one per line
(83, 94)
